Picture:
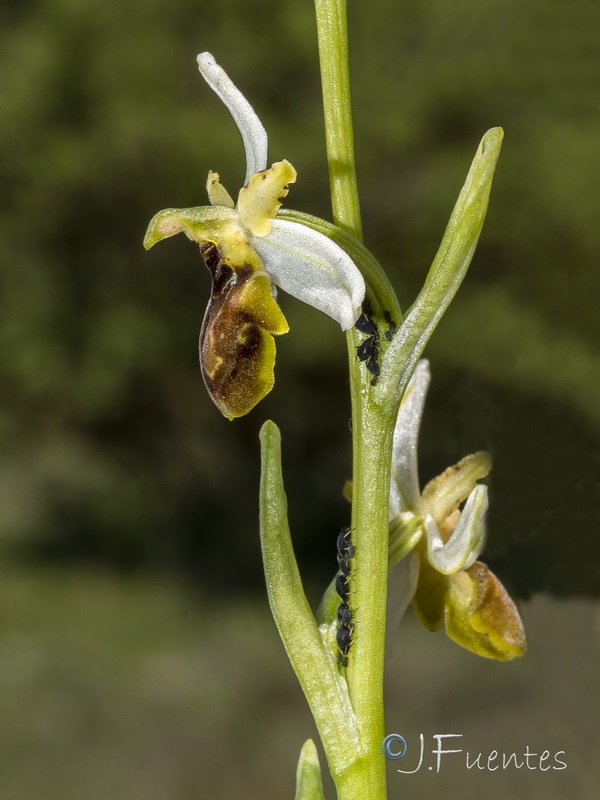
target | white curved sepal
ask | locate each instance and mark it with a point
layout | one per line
(467, 540)
(253, 133)
(312, 268)
(404, 486)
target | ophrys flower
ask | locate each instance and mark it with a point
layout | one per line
(247, 250)
(453, 586)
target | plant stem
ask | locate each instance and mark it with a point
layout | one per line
(332, 34)
(372, 428)
(372, 452)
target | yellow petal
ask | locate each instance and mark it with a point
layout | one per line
(217, 193)
(199, 224)
(261, 198)
(237, 349)
(481, 616)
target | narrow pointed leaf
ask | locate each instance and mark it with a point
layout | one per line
(315, 667)
(447, 271)
(309, 784)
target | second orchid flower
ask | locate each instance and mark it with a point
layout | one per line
(453, 587)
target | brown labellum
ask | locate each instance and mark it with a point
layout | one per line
(237, 349)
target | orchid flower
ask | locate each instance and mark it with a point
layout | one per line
(453, 586)
(247, 251)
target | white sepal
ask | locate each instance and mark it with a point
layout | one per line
(253, 133)
(404, 487)
(312, 268)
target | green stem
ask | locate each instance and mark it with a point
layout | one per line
(372, 448)
(371, 433)
(332, 34)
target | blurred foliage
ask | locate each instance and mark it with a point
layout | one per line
(127, 688)
(111, 450)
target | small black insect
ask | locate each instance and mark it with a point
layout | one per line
(344, 564)
(392, 327)
(344, 541)
(365, 324)
(342, 588)
(368, 349)
(373, 367)
(345, 629)
(342, 659)
(344, 615)
(343, 638)
(345, 550)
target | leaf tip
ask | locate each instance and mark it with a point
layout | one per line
(492, 142)
(268, 432)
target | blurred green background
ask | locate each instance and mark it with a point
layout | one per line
(137, 657)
